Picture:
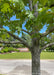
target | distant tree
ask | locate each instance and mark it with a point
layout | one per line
(34, 14)
(46, 40)
(50, 40)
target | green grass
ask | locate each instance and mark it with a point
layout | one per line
(26, 55)
(47, 55)
(1, 74)
(18, 55)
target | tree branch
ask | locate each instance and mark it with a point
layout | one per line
(30, 5)
(35, 9)
(18, 38)
(10, 42)
(7, 17)
(26, 31)
(50, 44)
(46, 33)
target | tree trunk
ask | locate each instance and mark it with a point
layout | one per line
(35, 62)
(35, 58)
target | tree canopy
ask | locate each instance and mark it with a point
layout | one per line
(33, 14)
(31, 17)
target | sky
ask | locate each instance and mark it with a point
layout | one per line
(43, 29)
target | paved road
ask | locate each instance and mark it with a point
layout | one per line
(23, 67)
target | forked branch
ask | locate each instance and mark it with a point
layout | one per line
(18, 38)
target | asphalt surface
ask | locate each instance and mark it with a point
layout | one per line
(23, 67)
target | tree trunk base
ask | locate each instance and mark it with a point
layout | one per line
(35, 63)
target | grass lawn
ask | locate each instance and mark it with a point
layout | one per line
(47, 55)
(26, 55)
(1, 74)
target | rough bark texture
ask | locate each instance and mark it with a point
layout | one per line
(35, 58)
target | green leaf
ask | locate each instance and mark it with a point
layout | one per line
(25, 2)
(43, 2)
(34, 2)
(5, 8)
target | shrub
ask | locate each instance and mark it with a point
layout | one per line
(49, 49)
(1, 51)
(1, 45)
(10, 49)
(17, 50)
(5, 49)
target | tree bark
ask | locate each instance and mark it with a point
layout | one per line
(35, 59)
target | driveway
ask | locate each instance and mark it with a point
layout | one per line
(23, 67)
